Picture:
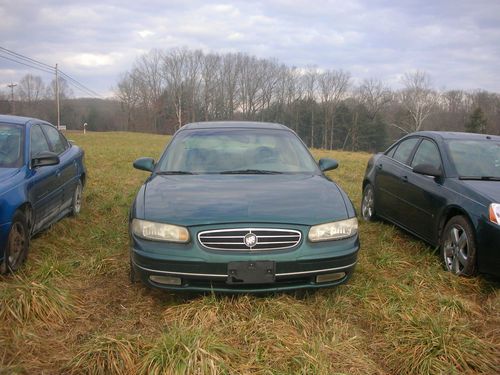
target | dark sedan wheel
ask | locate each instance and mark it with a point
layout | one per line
(458, 247)
(17, 244)
(76, 205)
(368, 203)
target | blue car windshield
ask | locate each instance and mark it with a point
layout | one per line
(476, 158)
(236, 151)
(11, 146)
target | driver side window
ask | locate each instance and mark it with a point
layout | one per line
(38, 141)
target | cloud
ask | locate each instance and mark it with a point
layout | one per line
(456, 42)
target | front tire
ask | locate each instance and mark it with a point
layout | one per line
(458, 247)
(76, 203)
(17, 247)
(368, 204)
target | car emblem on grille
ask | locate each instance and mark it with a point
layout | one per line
(250, 240)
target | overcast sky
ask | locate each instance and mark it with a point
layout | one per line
(456, 41)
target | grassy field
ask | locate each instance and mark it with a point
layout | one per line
(72, 310)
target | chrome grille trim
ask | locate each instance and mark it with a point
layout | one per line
(267, 239)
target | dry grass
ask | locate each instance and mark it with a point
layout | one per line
(72, 309)
(102, 354)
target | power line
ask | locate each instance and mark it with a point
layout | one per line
(77, 84)
(28, 65)
(29, 59)
(35, 64)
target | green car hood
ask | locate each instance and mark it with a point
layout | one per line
(215, 199)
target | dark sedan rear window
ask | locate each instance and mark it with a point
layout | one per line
(11, 146)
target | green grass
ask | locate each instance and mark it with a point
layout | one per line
(72, 310)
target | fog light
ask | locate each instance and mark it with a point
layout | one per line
(330, 277)
(169, 280)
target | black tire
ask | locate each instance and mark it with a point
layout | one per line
(368, 204)
(76, 203)
(17, 247)
(458, 247)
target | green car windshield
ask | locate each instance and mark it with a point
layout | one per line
(236, 151)
(11, 146)
(476, 159)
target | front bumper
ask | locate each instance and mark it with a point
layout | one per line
(488, 250)
(198, 269)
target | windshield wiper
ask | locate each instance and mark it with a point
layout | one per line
(174, 172)
(250, 171)
(480, 178)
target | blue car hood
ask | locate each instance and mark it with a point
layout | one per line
(209, 199)
(488, 189)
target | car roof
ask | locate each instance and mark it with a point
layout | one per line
(18, 120)
(234, 124)
(21, 120)
(456, 135)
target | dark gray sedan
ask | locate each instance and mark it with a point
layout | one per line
(444, 188)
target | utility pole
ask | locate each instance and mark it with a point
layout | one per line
(57, 100)
(11, 86)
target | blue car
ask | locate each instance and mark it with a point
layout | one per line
(41, 180)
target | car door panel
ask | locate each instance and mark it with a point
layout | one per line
(42, 188)
(43, 182)
(66, 168)
(391, 180)
(424, 196)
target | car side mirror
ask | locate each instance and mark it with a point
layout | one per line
(145, 164)
(45, 158)
(428, 170)
(327, 164)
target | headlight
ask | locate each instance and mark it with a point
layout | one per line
(336, 230)
(159, 232)
(495, 213)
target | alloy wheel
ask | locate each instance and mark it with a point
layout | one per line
(456, 249)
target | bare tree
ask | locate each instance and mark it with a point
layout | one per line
(65, 91)
(333, 85)
(310, 85)
(31, 88)
(128, 94)
(374, 95)
(418, 98)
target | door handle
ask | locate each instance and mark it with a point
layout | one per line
(404, 178)
(379, 166)
(58, 173)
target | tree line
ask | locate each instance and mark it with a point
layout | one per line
(165, 89)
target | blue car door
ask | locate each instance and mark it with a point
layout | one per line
(43, 182)
(67, 168)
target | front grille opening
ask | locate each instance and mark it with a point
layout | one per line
(250, 239)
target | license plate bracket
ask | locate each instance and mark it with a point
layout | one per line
(251, 272)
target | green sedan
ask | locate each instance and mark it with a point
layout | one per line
(240, 207)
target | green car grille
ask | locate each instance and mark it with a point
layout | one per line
(250, 239)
